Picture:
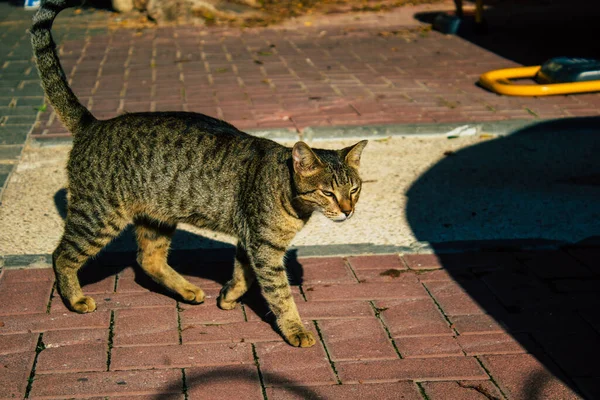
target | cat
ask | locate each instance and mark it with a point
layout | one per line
(158, 169)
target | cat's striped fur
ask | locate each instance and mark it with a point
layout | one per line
(158, 169)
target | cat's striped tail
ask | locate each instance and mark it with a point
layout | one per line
(66, 105)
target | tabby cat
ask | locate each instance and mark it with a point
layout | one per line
(158, 169)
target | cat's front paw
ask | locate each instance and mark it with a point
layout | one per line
(193, 295)
(226, 305)
(301, 339)
(83, 305)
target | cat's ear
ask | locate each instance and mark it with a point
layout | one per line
(306, 162)
(352, 154)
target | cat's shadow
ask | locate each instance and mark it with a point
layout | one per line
(192, 255)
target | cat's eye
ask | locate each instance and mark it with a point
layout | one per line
(326, 193)
(354, 190)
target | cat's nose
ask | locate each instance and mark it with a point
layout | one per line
(347, 212)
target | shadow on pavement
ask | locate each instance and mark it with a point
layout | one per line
(193, 256)
(531, 32)
(526, 209)
(237, 380)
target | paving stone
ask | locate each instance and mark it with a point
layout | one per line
(106, 285)
(382, 391)
(20, 260)
(589, 387)
(13, 134)
(475, 324)
(19, 343)
(522, 376)
(466, 298)
(48, 322)
(592, 317)
(16, 368)
(589, 257)
(27, 120)
(519, 291)
(478, 262)
(495, 343)
(17, 110)
(257, 331)
(125, 285)
(119, 301)
(209, 314)
(10, 276)
(445, 368)
(576, 353)
(550, 321)
(428, 346)
(10, 153)
(413, 317)
(284, 365)
(148, 326)
(422, 261)
(575, 285)
(321, 270)
(359, 339)
(24, 297)
(553, 264)
(461, 390)
(384, 262)
(365, 291)
(114, 383)
(180, 356)
(29, 88)
(577, 301)
(170, 396)
(441, 275)
(223, 382)
(74, 358)
(383, 275)
(31, 101)
(75, 336)
(215, 277)
(5, 170)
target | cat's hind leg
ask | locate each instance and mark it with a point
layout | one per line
(154, 239)
(87, 231)
(243, 277)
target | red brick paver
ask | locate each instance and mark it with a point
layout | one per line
(294, 78)
(442, 333)
(223, 382)
(461, 390)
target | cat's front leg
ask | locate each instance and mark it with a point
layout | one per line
(267, 263)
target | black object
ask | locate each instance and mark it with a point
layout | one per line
(568, 69)
(446, 23)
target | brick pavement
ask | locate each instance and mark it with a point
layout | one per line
(327, 75)
(389, 327)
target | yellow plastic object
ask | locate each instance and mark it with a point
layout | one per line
(498, 81)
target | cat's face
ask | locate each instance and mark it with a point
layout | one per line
(327, 181)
